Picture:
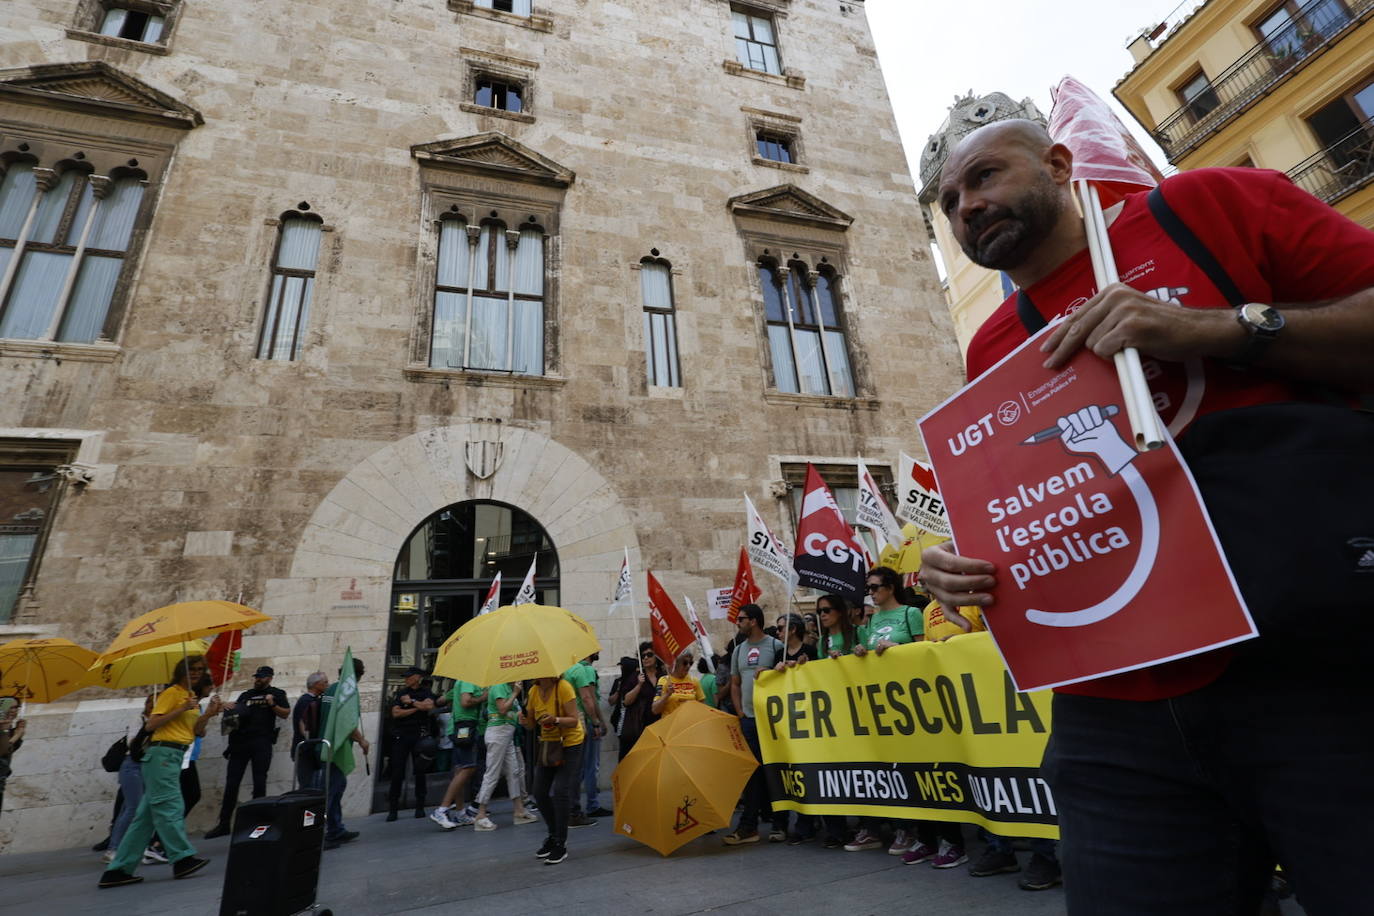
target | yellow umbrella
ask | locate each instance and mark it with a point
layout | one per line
(143, 669)
(516, 642)
(682, 778)
(177, 623)
(908, 558)
(42, 670)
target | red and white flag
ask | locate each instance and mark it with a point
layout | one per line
(526, 593)
(493, 598)
(869, 562)
(746, 590)
(671, 633)
(1104, 151)
(872, 511)
(700, 630)
(828, 556)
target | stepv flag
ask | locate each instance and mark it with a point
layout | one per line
(827, 556)
(746, 590)
(222, 658)
(873, 512)
(342, 712)
(493, 598)
(670, 631)
(623, 591)
(526, 593)
(766, 550)
(918, 498)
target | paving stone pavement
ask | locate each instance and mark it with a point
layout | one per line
(411, 866)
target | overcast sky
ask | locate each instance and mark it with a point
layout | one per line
(934, 50)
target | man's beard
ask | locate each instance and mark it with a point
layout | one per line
(1026, 224)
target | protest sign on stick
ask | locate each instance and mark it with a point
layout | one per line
(1095, 544)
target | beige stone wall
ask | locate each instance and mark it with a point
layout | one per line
(219, 474)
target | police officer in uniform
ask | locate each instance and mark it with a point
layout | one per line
(411, 723)
(250, 742)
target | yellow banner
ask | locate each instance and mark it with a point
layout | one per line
(934, 731)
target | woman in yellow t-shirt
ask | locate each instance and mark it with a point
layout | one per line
(677, 687)
(552, 708)
(175, 722)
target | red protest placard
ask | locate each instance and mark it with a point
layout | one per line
(1106, 559)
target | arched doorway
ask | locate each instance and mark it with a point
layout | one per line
(442, 573)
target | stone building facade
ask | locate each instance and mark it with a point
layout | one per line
(326, 270)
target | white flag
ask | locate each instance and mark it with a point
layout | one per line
(700, 630)
(918, 498)
(873, 512)
(493, 597)
(766, 552)
(622, 585)
(526, 593)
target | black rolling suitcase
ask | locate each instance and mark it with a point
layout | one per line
(274, 856)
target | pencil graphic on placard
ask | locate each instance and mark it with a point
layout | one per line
(1054, 432)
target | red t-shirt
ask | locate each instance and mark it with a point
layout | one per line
(1279, 245)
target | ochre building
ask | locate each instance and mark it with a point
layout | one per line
(1286, 86)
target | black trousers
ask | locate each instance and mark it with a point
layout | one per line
(256, 751)
(403, 749)
(554, 788)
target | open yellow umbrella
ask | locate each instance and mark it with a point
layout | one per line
(682, 778)
(142, 669)
(516, 642)
(178, 623)
(42, 670)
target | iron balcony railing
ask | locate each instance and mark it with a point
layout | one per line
(1341, 168)
(1320, 24)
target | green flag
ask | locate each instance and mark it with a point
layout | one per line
(342, 712)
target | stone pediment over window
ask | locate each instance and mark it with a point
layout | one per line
(94, 87)
(495, 155)
(790, 203)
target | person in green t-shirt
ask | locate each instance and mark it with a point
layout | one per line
(892, 623)
(837, 634)
(469, 705)
(502, 715)
(709, 686)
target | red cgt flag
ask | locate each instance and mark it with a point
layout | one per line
(1104, 152)
(219, 659)
(746, 590)
(828, 556)
(671, 633)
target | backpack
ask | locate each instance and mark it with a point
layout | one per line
(113, 758)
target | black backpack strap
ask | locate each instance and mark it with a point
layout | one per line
(1193, 247)
(1030, 316)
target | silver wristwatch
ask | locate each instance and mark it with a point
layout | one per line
(1262, 323)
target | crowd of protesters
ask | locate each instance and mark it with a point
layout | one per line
(542, 739)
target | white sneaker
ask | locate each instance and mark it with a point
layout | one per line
(483, 823)
(471, 811)
(464, 820)
(153, 856)
(108, 857)
(441, 817)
